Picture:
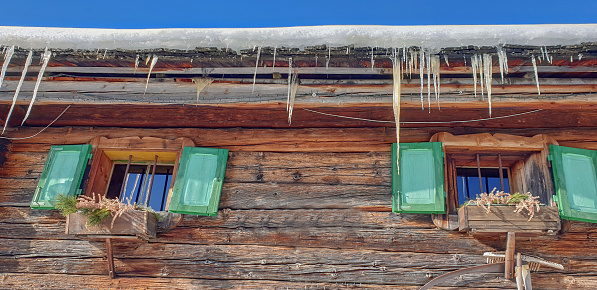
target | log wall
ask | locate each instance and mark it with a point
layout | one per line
(300, 208)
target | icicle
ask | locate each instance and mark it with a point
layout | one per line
(274, 62)
(421, 67)
(347, 50)
(536, 74)
(487, 68)
(316, 57)
(372, 60)
(542, 53)
(464, 57)
(411, 63)
(327, 61)
(201, 84)
(154, 60)
(137, 64)
(397, 77)
(289, 83)
(435, 70)
(474, 67)
(503, 62)
(580, 55)
(14, 99)
(105, 51)
(446, 60)
(547, 57)
(256, 66)
(571, 60)
(428, 61)
(7, 58)
(46, 59)
(147, 59)
(481, 75)
(293, 88)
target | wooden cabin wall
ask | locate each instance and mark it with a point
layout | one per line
(300, 208)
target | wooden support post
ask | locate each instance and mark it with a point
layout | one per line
(519, 280)
(111, 272)
(510, 261)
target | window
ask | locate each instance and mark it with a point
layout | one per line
(524, 168)
(162, 174)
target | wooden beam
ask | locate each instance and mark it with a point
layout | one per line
(110, 257)
(510, 252)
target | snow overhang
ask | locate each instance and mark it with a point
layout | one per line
(433, 38)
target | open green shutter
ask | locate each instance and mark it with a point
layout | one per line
(62, 174)
(199, 181)
(575, 178)
(419, 188)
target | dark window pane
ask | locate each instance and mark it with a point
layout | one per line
(137, 184)
(467, 182)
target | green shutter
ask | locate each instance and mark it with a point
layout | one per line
(575, 178)
(62, 174)
(199, 181)
(420, 186)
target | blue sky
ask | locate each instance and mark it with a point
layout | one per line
(251, 13)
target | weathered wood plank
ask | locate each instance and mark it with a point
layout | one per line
(268, 140)
(555, 281)
(227, 218)
(171, 116)
(63, 281)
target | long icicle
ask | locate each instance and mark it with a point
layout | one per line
(481, 75)
(293, 89)
(397, 77)
(14, 99)
(488, 67)
(46, 59)
(536, 74)
(7, 58)
(474, 67)
(289, 83)
(503, 61)
(274, 62)
(428, 61)
(154, 60)
(421, 67)
(256, 66)
(435, 70)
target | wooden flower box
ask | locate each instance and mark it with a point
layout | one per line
(135, 224)
(502, 219)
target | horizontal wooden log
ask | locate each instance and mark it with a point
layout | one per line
(233, 219)
(555, 281)
(553, 115)
(291, 140)
(62, 281)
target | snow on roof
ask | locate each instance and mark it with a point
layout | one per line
(432, 37)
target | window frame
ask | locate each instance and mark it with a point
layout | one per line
(529, 151)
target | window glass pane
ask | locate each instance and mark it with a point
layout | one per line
(137, 184)
(467, 182)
